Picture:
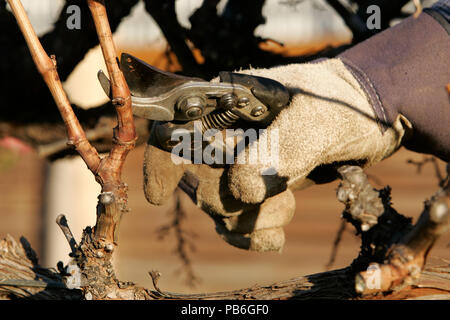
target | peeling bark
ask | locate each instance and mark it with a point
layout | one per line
(18, 262)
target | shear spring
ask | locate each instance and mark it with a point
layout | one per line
(220, 121)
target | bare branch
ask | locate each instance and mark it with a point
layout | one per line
(336, 243)
(50, 149)
(394, 251)
(121, 94)
(47, 68)
(110, 169)
(423, 162)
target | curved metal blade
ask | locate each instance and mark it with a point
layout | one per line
(145, 80)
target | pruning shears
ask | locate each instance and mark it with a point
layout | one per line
(178, 100)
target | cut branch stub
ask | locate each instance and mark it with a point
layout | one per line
(61, 221)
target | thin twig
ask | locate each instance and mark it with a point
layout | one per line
(62, 223)
(441, 177)
(50, 149)
(184, 243)
(336, 243)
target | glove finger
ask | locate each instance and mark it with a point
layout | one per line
(161, 174)
(212, 194)
(276, 211)
(263, 240)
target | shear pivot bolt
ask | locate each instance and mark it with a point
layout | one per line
(194, 112)
(192, 107)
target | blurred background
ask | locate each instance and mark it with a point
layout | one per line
(33, 190)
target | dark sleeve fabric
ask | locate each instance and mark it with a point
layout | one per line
(443, 8)
(406, 70)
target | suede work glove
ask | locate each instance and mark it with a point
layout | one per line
(328, 121)
(256, 227)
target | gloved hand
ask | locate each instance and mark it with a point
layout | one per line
(329, 120)
(256, 227)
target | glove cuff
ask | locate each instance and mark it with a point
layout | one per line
(400, 77)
